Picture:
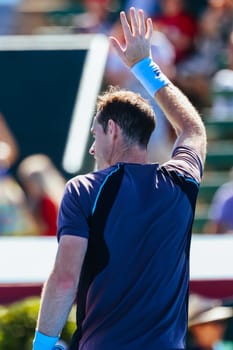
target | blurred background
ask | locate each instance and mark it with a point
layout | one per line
(54, 60)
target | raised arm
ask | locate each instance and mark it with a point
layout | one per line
(179, 111)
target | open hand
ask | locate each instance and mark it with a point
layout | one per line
(137, 33)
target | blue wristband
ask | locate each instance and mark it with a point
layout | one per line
(43, 342)
(149, 75)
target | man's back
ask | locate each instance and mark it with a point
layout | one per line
(138, 298)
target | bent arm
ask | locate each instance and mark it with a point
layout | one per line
(184, 118)
(177, 108)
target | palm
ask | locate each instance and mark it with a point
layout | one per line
(137, 34)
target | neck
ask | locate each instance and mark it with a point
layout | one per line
(133, 154)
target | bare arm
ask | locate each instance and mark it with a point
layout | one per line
(60, 289)
(184, 118)
(177, 108)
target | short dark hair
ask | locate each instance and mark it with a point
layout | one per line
(134, 115)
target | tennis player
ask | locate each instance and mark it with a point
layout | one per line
(124, 230)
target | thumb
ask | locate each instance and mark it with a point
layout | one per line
(119, 49)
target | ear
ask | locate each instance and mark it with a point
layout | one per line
(113, 128)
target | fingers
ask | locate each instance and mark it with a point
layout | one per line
(149, 29)
(137, 33)
(134, 21)
(115, 43)
(117, 46)
(125, 26)
(138, 25)
(141, 22)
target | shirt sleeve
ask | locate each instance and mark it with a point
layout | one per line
(186, 162)
(74, 211)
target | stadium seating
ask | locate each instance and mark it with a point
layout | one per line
(219, 161)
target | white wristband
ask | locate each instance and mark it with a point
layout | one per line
(43, 342)
(149, 75)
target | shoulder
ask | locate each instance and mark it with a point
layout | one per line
(185, 161)
(78, 202)
(89, 183)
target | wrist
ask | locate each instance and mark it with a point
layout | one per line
(43, 342)
(149, 75)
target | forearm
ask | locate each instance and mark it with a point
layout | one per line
(176, 107)
(181, 114)
(59, 291)
(184, 118)
(56, 303)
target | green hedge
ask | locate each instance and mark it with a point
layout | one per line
(18, 321)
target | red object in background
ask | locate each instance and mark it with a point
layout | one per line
(10, 293)
(220, 289)
(49, 212)
(178, 28)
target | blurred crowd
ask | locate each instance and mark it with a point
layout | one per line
(192, 43)
(194, 38)
(28, 204)
(209, 323)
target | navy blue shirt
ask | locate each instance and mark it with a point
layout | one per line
(138, 298)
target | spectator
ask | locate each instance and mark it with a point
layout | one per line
(178, 25)
(8, 16)
(196, 7)
(208, 324)
(221, 210)
(222, 87)
(98, 17)
(43, 186)
(15, 218)
(194, 74)
(151, 7)
(8, 145)
(36, 16)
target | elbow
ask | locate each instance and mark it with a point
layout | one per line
(202, 137)
(67, 284)
(64, 283)
(194, 137)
